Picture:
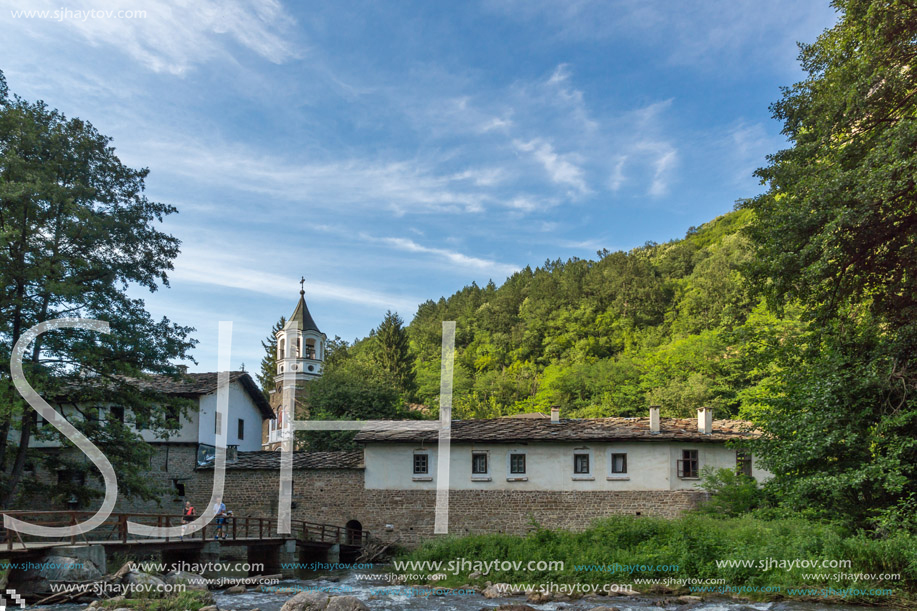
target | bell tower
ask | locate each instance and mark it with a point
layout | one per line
(300, 345)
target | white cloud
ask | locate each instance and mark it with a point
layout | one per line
(173, 36)
(663, 165)
(226, 268)
(401, 186)
(617, 174)
(453, 257)
(560, 168)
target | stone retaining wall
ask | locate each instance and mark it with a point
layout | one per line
(336, 496)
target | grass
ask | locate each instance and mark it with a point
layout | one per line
(694, 543)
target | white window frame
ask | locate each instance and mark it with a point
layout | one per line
(480, 477)
(589, 475)
(422, 477)
(612, 476)
(516, 477)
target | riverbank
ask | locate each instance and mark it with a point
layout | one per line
(697, 555)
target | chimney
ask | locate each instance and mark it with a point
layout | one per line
(183, 369)
(555, 413)
(654, 419)
(705, 420)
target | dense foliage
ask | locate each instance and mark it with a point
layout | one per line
(835, 235)
(664, 325)
(75, 230)
(622, 548)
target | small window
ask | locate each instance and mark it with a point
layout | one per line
(281, 349)
(39, 420)
(687, 466)
(421, 464)
(479, 463)
(743, 463)
(116, 414)
(517, 464)
(581, 464)
(619, 463)
(241, 429)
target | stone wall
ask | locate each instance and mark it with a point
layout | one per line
(169, 462)
(336, 496)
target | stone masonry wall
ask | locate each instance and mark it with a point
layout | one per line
(169, 462)
(336, 496)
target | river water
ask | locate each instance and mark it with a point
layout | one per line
(382, 595)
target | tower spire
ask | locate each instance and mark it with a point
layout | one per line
(302, 288)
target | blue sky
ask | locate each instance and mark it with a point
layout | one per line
(394, 152)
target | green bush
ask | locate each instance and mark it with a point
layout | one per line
(694, 543)
(732, 494)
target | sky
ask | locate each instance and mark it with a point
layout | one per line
(394, 152)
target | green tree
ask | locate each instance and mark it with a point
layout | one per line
(838, 224)
(348, 392)
(269, 360)
(392, 352)
(836, 232)
(75, 230)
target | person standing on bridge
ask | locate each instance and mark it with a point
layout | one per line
(186, 518)
(219, 509)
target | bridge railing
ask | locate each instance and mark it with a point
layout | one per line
(228, 527)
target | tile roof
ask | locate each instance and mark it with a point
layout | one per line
(193, 385)
(509, 430)
(268, 460)
(302, 317)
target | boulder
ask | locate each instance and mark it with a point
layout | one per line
(150, 585)
(144, 579)
(210, 608)
(236, 589)
(514, 607)
(191, 581)
(497, 590)
(686, 600)
(307, 601)
(605, 608)
(346, 603)
(537, 598)
(64, 569)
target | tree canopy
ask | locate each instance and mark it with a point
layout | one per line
(76, 231)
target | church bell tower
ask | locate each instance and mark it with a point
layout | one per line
(300, 345)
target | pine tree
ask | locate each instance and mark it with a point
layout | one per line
(75, 231)
(391, 351)
(269, 361)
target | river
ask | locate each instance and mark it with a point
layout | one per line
(381, 595)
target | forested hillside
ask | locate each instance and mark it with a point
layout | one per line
(664, 324)
(797, 311)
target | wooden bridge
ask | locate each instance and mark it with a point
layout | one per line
(113, 533)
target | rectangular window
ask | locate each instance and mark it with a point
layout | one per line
(619, 463)
(743, 463)
(421, 464)
(687, 466)
(517, 464)
(241, 429)
(479, 463)
(116, 413)
(581, 464)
